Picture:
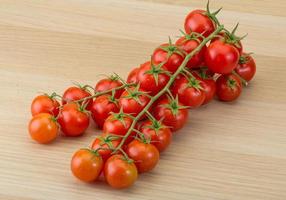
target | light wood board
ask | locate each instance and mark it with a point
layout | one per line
(226, 151)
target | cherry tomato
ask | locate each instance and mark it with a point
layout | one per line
(246, 68)
(198, 21)
(228, 87)
(133, 101)
(43, 128)
(109, 84)
(86, 165)
(117, 123)
(189, 91)
(170, 55)
(221, 57)
(74, 120)
(145, 156)
(188, 44)
(105, 141)
(77, 93)
(172, 113)
(159, 135)
(101, 108)
(45, 104)
(119, 172)
(152, 78)
(132, 76)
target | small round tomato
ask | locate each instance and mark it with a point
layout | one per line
(246, 67)
(117, 124)
(45, 104)
(169, 56)
(105, 141)
(133, 101)
(228, 87)
(101, 108)
(189, 91)
(86, 165)
(188, 43)
(109, 84)
(145, 156)
(43, 128)
(132, 76)
(158, 134)
(152, 78)
(198, 21)
(221, 57)
(75, 94)
(172, 113)
(74, 119)
(119, 172)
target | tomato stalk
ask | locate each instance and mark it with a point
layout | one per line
(168, 85)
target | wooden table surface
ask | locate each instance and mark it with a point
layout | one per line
(226, 151)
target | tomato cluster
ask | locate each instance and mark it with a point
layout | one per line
(138, 117)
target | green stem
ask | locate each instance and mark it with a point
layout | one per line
(167, 86)
(244, 82)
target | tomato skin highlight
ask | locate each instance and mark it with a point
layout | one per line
(228, 87)
(120, 173)
(43, 128)
(172, 62)
(86, 165)
(73, 122)
(145, 156)
(75, 93)
(188, 95)
(108, 84)
(45, 104)
(147, 81)
(247, 68)
(101, 108)
(160, 138)
(188, 46)
(132, 76)
(221, 57)
(198, 21)
(175, 122)
(102, 142)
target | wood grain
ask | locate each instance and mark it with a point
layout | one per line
(227, 151)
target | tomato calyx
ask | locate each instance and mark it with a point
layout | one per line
(120, 116)
(244, 58)
(231, 83)
(171, 49)
(231, 38)
(194, 83)
(174, 105)
(192, 36)
(85, 87)
(135, 93)
(211, 15)
(156, 125)
(156, 70)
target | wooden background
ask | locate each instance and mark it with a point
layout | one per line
(227, 151)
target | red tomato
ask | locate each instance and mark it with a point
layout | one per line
(43, 128)
(101, 108)
(76, 93)
(152, 78)
(208, 85)
(221, 57)
(189, 92)
(170, 55)
(133, 101)
(188, 44)
(109, 84)
(246, 67)
(117, 124)
(105, 141)
(198, 21)
(132, 76)
(86, 165)
(228, 87)
(119, 172)
(171, 113)
(45, 104)
(232, 39)
(73, 120)
(159, 135)
(145, 156)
